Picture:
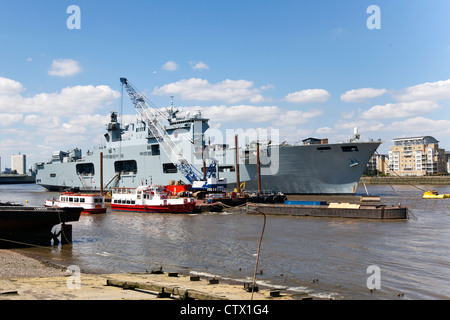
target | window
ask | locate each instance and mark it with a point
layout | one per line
(169, 168)
(125, 166)
(155, 149)
(349, 148)
(52, 175)
(323, 148)
(227, 169)
(85, 168)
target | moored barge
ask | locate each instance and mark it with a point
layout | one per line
(332, 210)
(23, 225)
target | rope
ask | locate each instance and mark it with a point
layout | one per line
(403, 179)
(62, 229)
(227, 206)
(257, 256)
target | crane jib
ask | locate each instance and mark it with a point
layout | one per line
(159, 132)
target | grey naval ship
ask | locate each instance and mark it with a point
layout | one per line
(135, 154)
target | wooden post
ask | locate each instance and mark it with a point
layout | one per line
(66, 233)
(238, 182)
(101, 172)
(204, 168)
(258, 166)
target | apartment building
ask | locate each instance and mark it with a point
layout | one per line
(416, 156)
(378, 164)
(18, 163)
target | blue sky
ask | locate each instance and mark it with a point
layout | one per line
(307, 68)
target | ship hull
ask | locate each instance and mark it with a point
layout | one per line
(303, 169)
(318, 169)
(134, 155)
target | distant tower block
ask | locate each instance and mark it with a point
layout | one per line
(18, 163)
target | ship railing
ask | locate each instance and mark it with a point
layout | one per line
(264, 192)
(82, 180)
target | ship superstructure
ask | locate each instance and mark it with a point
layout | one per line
(134, 155)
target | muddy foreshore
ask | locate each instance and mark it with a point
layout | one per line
(24, 277)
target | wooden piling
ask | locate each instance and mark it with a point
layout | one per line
(238, 182)
(204, 167)
(66, 233)
(258, 165)
(101, 172)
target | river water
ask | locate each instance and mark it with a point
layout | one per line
(323, 257)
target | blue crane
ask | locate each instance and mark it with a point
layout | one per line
(141, 104)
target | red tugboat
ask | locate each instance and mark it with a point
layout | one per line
(151, 199)
(90, 203)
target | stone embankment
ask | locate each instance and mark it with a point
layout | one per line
(424, 181)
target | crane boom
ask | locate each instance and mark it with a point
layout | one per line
(159, 132)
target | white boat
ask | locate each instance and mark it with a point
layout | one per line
(91, 203)
(154, 198)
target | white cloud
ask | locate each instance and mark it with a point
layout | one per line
(271, 115)
(237, 113)
(421, 125)
(268, 86)
(9, 87)
(45, 122)
(71, 100)
(364, 125)
(201, 90)
(64, 68)
(199, 65)
(10, 118)
(14, 145)
(438, 90)
(308, 96)
(325, 130)
(296, 117)
(400, 110)
(358, 95)
(170, 66)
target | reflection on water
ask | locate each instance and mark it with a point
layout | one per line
(413, 255)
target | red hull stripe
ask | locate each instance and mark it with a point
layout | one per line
(92, 211)
(182, 208)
